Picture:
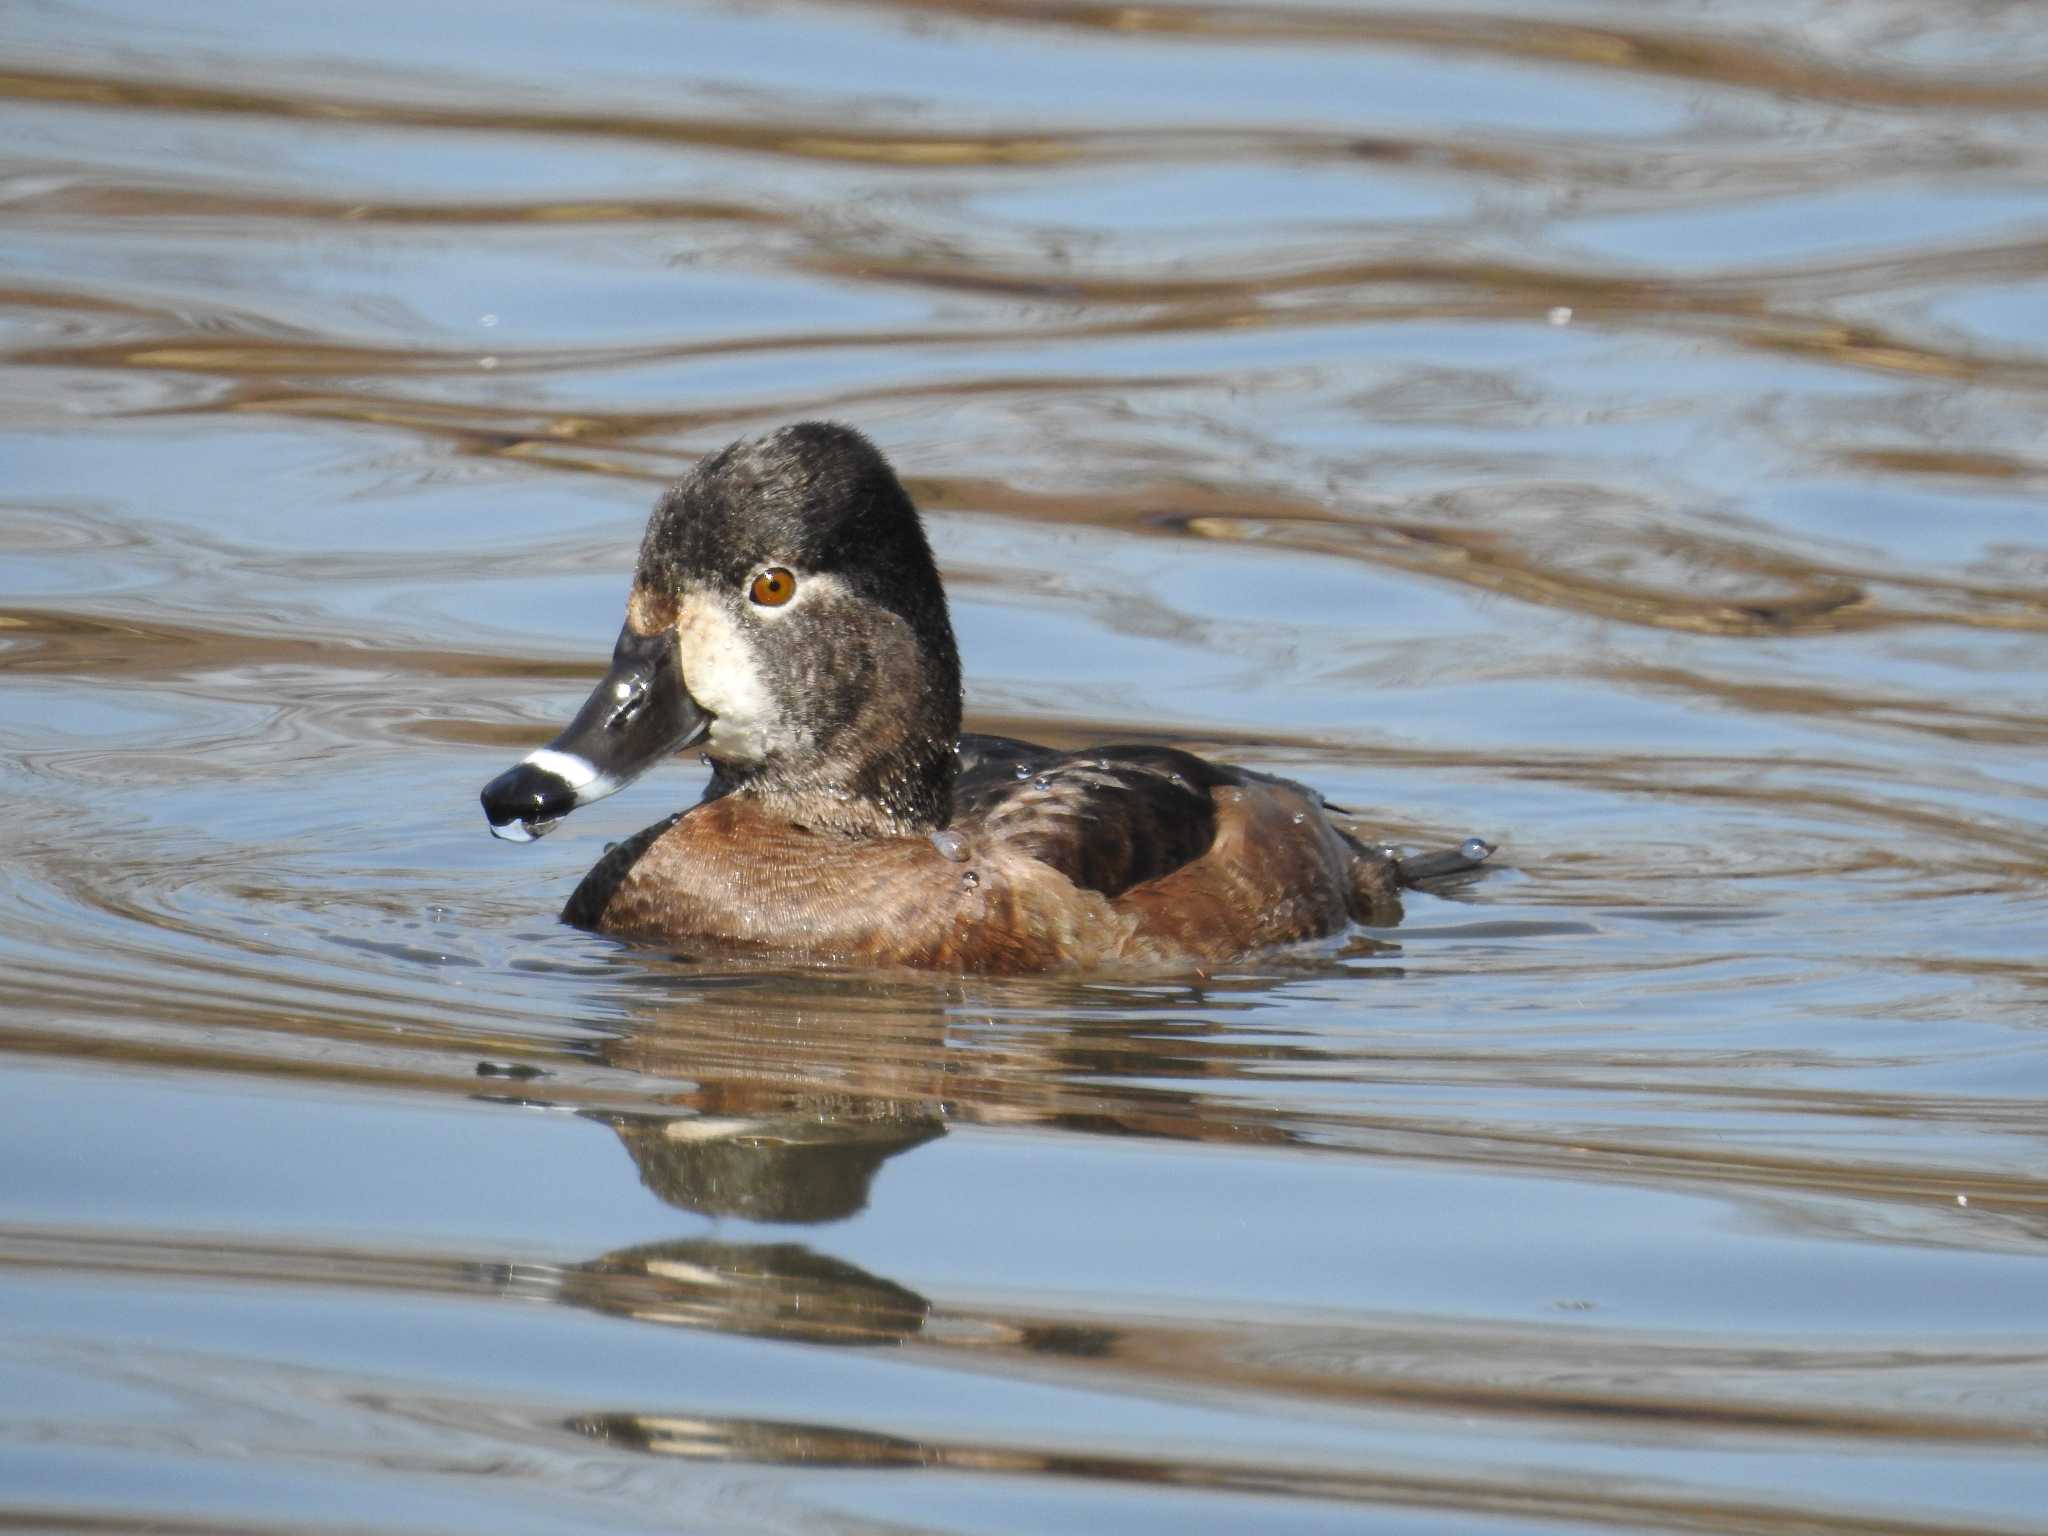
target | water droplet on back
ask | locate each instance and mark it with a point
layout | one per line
(970, 879)
(951, 845)
(1023, 771)
(1043, 781)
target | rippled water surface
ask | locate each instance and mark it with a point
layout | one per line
(1615, 429)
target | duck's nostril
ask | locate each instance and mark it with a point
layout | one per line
(526, 800)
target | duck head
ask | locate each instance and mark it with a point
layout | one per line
(787, 615)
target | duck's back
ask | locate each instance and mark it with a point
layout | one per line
(1108, 819)
(1206, 860)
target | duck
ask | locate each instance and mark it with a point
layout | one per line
(787, 620)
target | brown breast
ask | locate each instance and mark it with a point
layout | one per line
(728, 874)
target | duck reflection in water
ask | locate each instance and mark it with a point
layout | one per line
(794, 1091)
(790, 1114)
(787, 618)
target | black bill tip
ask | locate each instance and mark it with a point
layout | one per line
(525, 801)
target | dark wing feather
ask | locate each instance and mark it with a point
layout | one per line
(1107, 818)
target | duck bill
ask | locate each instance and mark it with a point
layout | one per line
(640, 713)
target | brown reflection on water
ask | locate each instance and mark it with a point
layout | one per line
(1580, 547)
(1695, 56)
(836, 144)
(1667, 1379)
(1652, 51)
(892, 1086)
(1598, 1501)
(1665, 1388)
(778, 1101)
(1729, 308)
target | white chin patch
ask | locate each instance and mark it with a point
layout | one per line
(721, 673)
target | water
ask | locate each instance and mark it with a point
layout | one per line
(1609, 432)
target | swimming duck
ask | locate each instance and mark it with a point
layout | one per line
(786, 618)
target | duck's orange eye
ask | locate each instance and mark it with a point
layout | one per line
(773, 587)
